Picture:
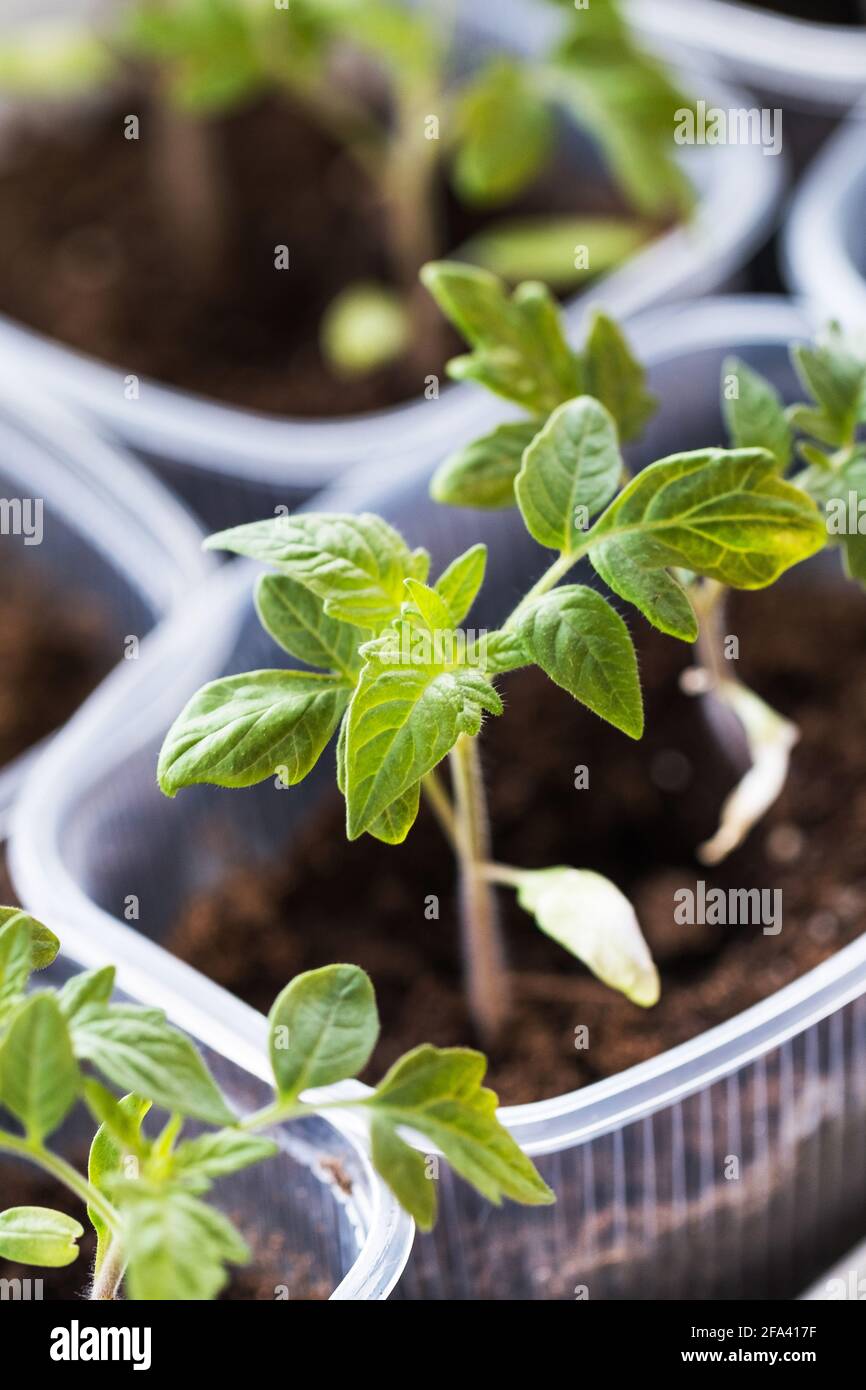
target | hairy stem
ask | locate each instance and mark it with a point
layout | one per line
(444, 812)
(551, 577)
(108, 1278)
(486, 977)
(708, 597)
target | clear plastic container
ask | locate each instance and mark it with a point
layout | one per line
(320, 1222)
(804, 61)
(824, 242)
(637, 1160)
(112, 535)
(234, 465)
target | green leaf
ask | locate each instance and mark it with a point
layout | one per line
(120, 1116)
(505, 651)
(626, 99)
(396, 820)
(39, 1236)
(430, 606)
(140, 1052)
(482, 474)
(520, 351)
(722, 514)
(118, 1137)
(836, 378)
(206, 54)
(216, 1155)
(438, 1093)
(404, 1169)
(408, 43)
(841, 493)
(355, 564)
(240, 730)
(39, 1077)
(15, 961)
(459, 584)
(561, 251)
(614, 376)
(593, 920)
(297, 621)
(755, 416)
(504, 133)
(569, 472)
(44, 945)
(403, 719)
(578, 640)
(177, 1247)
(90, 987)
(322, 1028)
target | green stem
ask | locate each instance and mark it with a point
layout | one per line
(274, 1114)
(411, 230)
(708, 597)
(502, 873)
(64, 1173)
(440, 804)
(485, 973)
(549, 580)
(109, 1275)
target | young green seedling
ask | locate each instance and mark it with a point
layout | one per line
(520, 353)
(408, 687)
(821, 442)
(144, 1193)
(380, 79)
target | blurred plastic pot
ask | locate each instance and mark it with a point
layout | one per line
(234, 465)
(111, 534)
(824, 247)
(805, 61)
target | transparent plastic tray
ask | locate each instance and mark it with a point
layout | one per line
(808, 62)
(112, 536)
(637, 1160)
(824, 241)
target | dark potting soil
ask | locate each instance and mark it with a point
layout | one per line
(86, 257)
(53, 652)
(647, 807)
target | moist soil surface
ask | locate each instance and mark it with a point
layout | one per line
(648, 806)
(53, 652)
(87, 256)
